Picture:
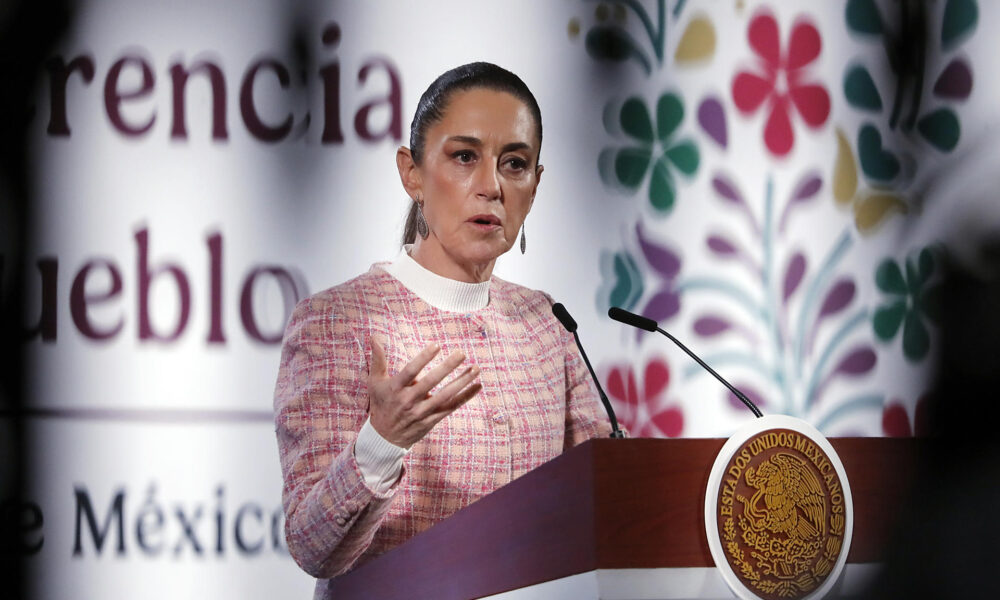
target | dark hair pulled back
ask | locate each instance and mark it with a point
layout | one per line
(435, 100)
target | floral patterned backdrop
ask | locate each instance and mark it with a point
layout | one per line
(768, 163)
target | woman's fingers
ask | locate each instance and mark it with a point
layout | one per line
(452, 403)
(410, 371)
(433, 377)
(459, 391)
(401, 407)
(378, 367)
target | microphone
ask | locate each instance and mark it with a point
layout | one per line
(623, 316)
(567, 321)
(563, 315)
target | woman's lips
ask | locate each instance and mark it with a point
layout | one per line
(485, 222)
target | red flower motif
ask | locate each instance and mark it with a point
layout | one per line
(896, 421)
(782, 82)
(645, 413)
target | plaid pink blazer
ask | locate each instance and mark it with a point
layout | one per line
(537, 400)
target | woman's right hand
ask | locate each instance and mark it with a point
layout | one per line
(400, 406)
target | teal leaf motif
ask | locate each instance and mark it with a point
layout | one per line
(888, 318)
(863, 17)
(913, 279)
(911, 301)
(635, 121)
(960, 18)
(684, 156)
(925, 264)
(661, 187)
(916, 339)
(877, 163)
(628, 282)
(930, 302)
(630, 166)
(889, 278)
(669, 113)
(626, 167)
(860, 90)
(941, 129)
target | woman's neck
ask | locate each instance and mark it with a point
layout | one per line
(438, 291)
(436, 259)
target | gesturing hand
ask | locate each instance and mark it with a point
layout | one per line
(400, 406)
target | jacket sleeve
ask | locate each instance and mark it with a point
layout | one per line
(320, 404)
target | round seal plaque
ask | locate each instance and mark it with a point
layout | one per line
(778, 511)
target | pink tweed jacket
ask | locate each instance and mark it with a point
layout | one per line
(537, 400)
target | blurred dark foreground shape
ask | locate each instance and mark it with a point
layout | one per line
(947, 538)
(28, 32)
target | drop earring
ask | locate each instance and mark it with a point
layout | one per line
(422, 229)
(523, 244)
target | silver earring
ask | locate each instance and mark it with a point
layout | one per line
(523, 244)
(422, 229)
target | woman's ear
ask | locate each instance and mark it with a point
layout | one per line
(538, 178)
(409, 174)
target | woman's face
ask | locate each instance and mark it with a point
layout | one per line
(477, 182)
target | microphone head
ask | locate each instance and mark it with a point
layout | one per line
(563, 315)
(623, 316)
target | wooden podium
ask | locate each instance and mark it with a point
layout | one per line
(610, 519)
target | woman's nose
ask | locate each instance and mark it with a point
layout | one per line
(488, 181)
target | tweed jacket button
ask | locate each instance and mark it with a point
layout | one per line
(341, 521)
(352, 507)
(498, 417)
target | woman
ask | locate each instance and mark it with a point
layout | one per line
(412, 390)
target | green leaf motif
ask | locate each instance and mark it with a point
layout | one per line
(627, 167)
(889, 278)
(888, 318)
(930, 303)
(960, 18)
(860, 90)
(684, 156)
(925, 262)
(669, 113)
(863, 17)
(635, 121)
(916, 339)
(631, 165)
(941, 129)
(662, 191)
(606, 167)
(877, 163)
(913, 279)
(628, 282)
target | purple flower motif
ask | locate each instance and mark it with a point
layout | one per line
(665, 302)
(712, 119)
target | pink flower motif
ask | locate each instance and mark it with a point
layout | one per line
(645, 411)
(896, 421)
(782, 83)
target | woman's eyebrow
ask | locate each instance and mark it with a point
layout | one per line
(466, 139)
(515, 146)
(474, 141)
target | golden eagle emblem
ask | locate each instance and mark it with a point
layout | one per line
(780, 514)
(788, 499)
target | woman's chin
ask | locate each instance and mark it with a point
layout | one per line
(483, 251)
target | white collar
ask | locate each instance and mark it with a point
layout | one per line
(440, 292)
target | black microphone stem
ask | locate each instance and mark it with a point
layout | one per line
(629, 318)
(753, 408)
(615, 431)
